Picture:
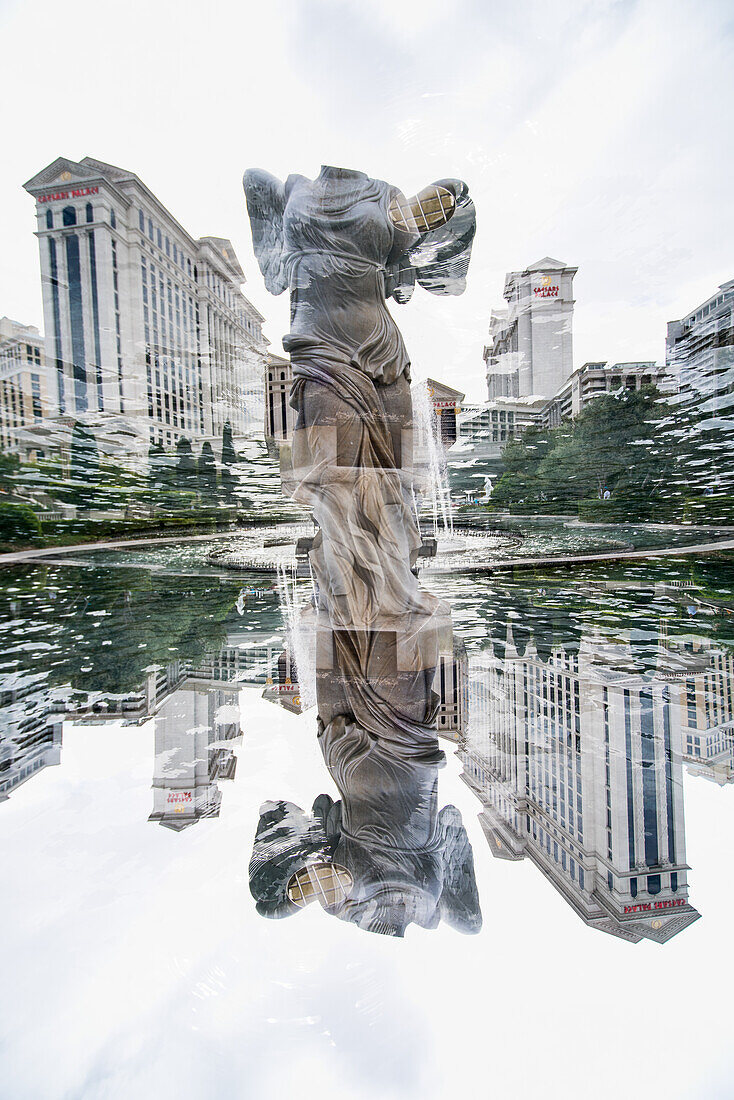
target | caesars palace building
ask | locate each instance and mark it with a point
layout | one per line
(148, 335)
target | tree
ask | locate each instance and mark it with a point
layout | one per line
(83, 465)
(614, 446)
(229, 458)
(186, 465)
(18, 523)
(9, 468)
(207, 472)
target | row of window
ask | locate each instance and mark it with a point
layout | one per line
(164, 243)
(69, 216)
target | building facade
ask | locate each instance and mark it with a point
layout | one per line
(700, 357)
(280, 417)
(578, 764)
(530, 350)
(486, 429)
(24, 389)
(594, 379)
(195, 731)
(148, 335)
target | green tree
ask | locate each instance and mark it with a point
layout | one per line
(18, 524)
(9, 470)
(186, 464)
(229, 460)
(207, 473)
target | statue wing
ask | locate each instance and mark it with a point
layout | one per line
(266, 198)
(434, 231)
(441, 257)
(459, 901)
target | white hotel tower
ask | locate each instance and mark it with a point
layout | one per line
(148, 335)
(577, 761)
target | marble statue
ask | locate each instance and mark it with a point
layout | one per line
(342, 244)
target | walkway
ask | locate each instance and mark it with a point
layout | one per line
(700, 548)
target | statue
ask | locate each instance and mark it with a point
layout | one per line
(342, 244)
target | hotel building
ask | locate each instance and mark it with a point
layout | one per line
(24, 392)
(700, 356)
(577, 761)
(596, 379)
(704, 711)
(195, 730)
(530, 350)
(280, 418)
(149, 337)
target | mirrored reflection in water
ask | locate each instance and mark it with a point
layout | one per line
(575, 705)
(585, 701)
(404, 861)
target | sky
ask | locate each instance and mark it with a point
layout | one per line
(138, 965)
(593, 131)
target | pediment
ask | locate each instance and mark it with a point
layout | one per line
(546, 264)
(60, 171)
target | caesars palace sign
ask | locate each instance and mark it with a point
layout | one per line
(76, 193)
(546, 288)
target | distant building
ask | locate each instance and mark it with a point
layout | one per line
(577, 761)
(530, 351)
(446, 403)
(195, 730)
(704, 711)
(24, 391)
(700, 356)
(485, 430)
(452, 687)
(593, 379)
(280, 417)
(31, 723)
(149, 337)
(436, 407)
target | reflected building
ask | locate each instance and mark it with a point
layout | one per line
(451, 684)
(195, 731)
(704, 711)
(577, 761)
(31, 725)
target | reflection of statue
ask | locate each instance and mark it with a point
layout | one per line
(342, 244)
(393, 858)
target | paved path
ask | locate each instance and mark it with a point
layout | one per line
(576, 559)
(702, 548)
(14, 557)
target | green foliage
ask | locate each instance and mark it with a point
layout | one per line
(186, 465)
(9, 469)
(207, 471)
(619, 447)
(18, 524)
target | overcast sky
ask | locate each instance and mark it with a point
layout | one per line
(595, 132)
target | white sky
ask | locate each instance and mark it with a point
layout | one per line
(135, 964)
(596, 132)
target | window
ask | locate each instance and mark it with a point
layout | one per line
(159, 238)
(113, 218)
(49, 219)
(168, 247)
(89, 211)
(141, 221)
(150, 228)
(68, 216)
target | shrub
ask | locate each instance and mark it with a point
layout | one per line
(18, 523)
